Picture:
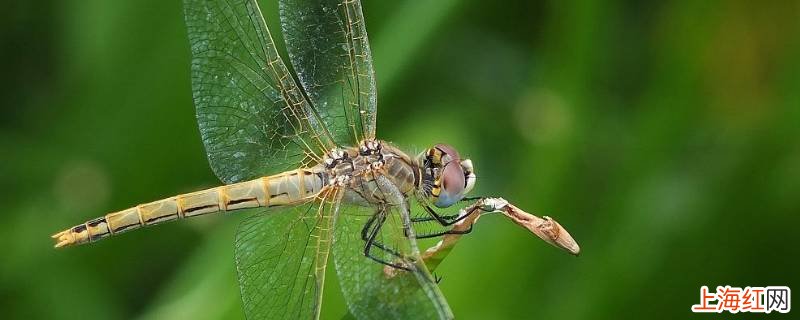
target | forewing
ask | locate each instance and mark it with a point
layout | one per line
(281, 259)
(329, 50)
(253, 118)
(374, 291)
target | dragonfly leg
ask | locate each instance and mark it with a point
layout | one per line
(442, 219)
(439, 234)
(367, 226)
(366, 231)
(429, 218)
(436, 277)
(369, 234)
(449, 220)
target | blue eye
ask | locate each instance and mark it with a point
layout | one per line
(453, 183)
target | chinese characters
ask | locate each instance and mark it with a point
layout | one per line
(747, 299)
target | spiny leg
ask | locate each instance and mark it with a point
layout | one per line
(437, 278)
(366, 229)
(442, 219)
(370, 237)
(456, 218)
(365, 232)
(429, 218)
(439, 234)
(445, 220)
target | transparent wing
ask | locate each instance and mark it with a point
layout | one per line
(281, 259)
(373, 290)
(253, 118)
(329, 50)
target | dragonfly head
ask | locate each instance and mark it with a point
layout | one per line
(446, 177)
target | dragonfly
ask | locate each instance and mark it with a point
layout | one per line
(297, 151)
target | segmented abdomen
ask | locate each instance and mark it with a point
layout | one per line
(288, 188)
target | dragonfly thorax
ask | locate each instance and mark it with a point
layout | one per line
(357, 169)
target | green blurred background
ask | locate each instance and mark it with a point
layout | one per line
(664, 136)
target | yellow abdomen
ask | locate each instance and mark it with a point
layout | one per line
(284, 189)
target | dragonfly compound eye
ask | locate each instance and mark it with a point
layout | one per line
(452, 183)
(446, 152)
